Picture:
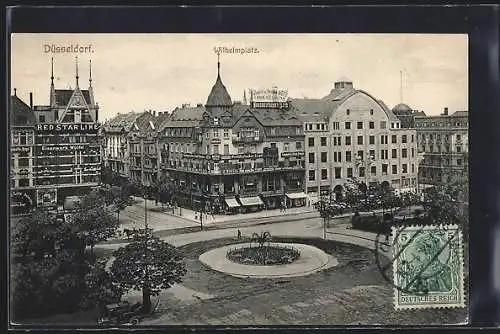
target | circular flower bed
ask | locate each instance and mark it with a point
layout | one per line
(264, 255)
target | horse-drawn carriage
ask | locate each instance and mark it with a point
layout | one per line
(124, 313)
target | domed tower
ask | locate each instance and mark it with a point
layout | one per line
(219, 100)
(402, 109)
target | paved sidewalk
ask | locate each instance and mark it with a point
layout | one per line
(208, 219)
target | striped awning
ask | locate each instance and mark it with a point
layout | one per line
(296, 195)
(249, 201)
(232, 202)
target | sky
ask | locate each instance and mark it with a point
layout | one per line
(137, 72)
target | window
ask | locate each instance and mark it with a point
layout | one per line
(337, 156)
(24, 182)
(285, 147)
(372, 140)
(336, 126)
(404, 153)
(324, 174)
(226, 133)
(372, 124)
(394, 169)
(413, 168)
(298, 145)
(394, 153)
(404, 139)
(412, 152)
(42, 118)
(337, 141)
(360, 140)
(384, 139)
(360, 155)
(273, 144)
(348, 156)
(459, 137)
(208, 134)
(324, 157)
(413, 138)
(459, 162)
(383, 124)
(226, 149)
(362, 171)
(317, 127)
(241, 149)
(216, 149)
(311, 158)
(338, 172)
(349, 171)
(347, 125)
(312, 175)
(311, 141)
(384, 169)
(323, 141)
(394, 139)
(348, 112)
(373, 170)
(216, 133)
(459, 149)
(405, 168)
(348, 140)
(360, 125)
(23, 162)
(372, 154)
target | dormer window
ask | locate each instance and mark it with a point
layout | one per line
(216, 121)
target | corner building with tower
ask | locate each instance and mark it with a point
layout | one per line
(64, 146)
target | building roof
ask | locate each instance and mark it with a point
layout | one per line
(344, 79)
(188, 113)
(218, 95)
(122, 121)
(313, 109)
(64, 95)
(21, 113)
(460, 113)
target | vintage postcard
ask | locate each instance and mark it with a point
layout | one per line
(238, 179)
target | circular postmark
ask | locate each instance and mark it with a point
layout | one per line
(417, 260)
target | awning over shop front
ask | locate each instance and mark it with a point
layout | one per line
(296, 195)
(249, 201)
(232, 202)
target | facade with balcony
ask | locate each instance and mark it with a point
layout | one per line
(443, 141)
(233, 156)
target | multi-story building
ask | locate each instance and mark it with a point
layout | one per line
(232, 155)
(443, 140)
(66, 146)
(131, 143)
(22, 178)
(351, 134)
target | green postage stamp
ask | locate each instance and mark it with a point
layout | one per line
(428, 266)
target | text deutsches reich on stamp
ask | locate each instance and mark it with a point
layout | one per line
(428, 266)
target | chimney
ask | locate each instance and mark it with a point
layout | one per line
(445, 112)
(31, 100)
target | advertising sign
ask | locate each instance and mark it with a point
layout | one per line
(269, 95)
(68, 127)
(46, 197)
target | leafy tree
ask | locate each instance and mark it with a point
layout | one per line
(147, 264)
(100, 289)
(94, 222)
(261, 238)
(448, 203)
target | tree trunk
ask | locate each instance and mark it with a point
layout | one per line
(146, 300)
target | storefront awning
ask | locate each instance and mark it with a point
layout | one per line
(249, 201)
(232, 202)
(296, 195)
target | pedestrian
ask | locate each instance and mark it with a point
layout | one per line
(239, 234)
